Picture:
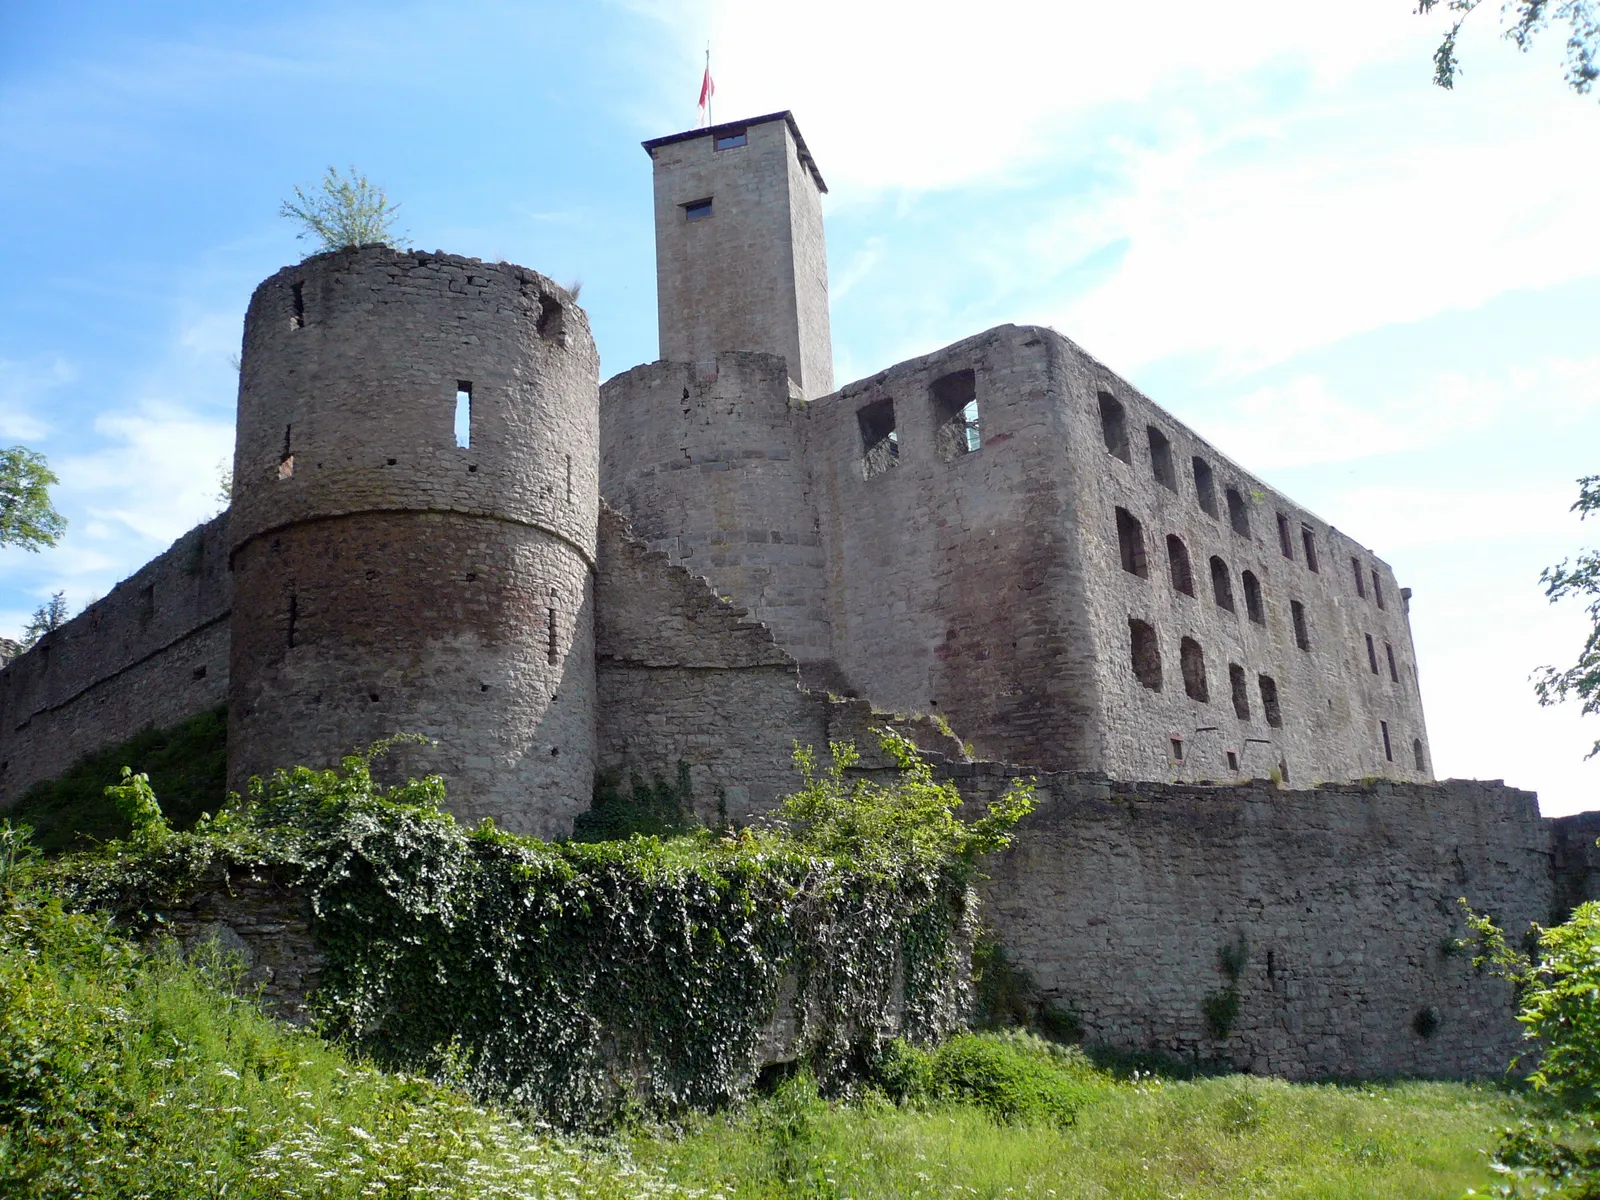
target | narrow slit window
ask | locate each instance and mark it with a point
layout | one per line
(1285, 538)
(1177, 750)
(1361, 586)
(297, 317)
(1417, 756)
(1269, 701)
(1372, 655)
(1193, 661)
(286, 459)
(464, 414)
(1240, 688)
(697, 210)
(569, 479)
(1130, 541)
(1178, 564)
(955, 414)
(293, 618)
(1161, 459)
(1394, 670)
(1146, 653)
(1302, 631)
(1253, 604)
(1205, 488)
(1238, 513)
(1114, 426)
(880, 443)
(1221, 584)
(1233, 762)
(1388, 749)
(1309, 541)
(555, 644)
(1377, 588)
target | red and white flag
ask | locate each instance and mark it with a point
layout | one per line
(707, 90)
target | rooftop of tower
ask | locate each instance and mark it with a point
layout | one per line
(730, 127)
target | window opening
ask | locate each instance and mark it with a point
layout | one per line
(955, 414)
(1193, 661)
(147, 603)
(880, 443)
(1240, 690)
(552, 319)
(1377, 588)
(1388, 751)
(1161, 459)
(1130, 540)
(729, 141)
(1238, 513)
(1177, 750)
(1252, 599)
(294, 617)
(1178, 564)
(1372, 655)
(298, 319)
(1309, 541)
(1146, 653)
(1269, 700)
(1302, 632)
(1233, 762)
(286, 460)
(1416, 754)
(1355, 569)
(1283, 769)
(1394, 671)
(1285, 538)
(1205, 488)
(1114, 426)
(464, 413)
(697, 210)
(555, 644)
(1221, 584)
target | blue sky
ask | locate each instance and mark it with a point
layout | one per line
(1382, 297)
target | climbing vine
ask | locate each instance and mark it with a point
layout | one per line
(576, 979)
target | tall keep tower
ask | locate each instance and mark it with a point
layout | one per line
(740, 258)
(413, 527)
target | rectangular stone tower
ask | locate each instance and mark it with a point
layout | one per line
(740, 259)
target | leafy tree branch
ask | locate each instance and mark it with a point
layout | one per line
(347, 212)
(1525, 20)
(1581, 577)
(27, 518)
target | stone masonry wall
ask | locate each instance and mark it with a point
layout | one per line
(1120, 898)
(151, 653)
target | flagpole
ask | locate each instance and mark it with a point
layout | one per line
(709, 120)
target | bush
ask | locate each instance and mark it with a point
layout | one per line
(1015, 1077)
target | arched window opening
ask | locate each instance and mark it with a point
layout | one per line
(1285, 538)
(880, 443)
(1146, 653)
(1241, 691)
(1178, 563)
(1302, 631)
(1252, 599)
(1221, 584)
(1161, 459)
(1130, 540)
(1416, 754)
(1193, 661)
(1205, 488)
(1238, 513)
(1114, 426)
(1269, 701)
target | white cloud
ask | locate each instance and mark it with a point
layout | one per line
(24, 395)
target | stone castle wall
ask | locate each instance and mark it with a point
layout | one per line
(151, 653)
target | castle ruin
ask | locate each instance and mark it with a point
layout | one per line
(444, 524)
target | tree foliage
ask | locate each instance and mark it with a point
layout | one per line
(27, 518)
(1524, 21)
(346, 212)
(49, 616)
(1580, 577)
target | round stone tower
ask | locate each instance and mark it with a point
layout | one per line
(413, 528)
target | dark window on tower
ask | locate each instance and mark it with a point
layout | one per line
(1355, 569)
(464, 413)
(1372, 655)
(1177, 750)
(880, 444)
(729, 141)
(1285, 538)
(1178, 563)
(555, 643)
(1377, 588)
(1221, 585)
(1394, 671)
(1233, 762)
(1309, 541)
(1388, 750)
(1114, 426)
(1302, 632)
(1193, 661)
(1130, 540)
(1269, 701)
(1238, 513)
(1240, 690)
(1161, 459)
(294, 617)
(1146, 654)
(955, 414)
(1252, 599)
(297, 319)
(286, 459)
(1205, 490)
(697, 210)
(1416, 754)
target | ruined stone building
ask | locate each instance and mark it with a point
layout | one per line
(443, 523)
